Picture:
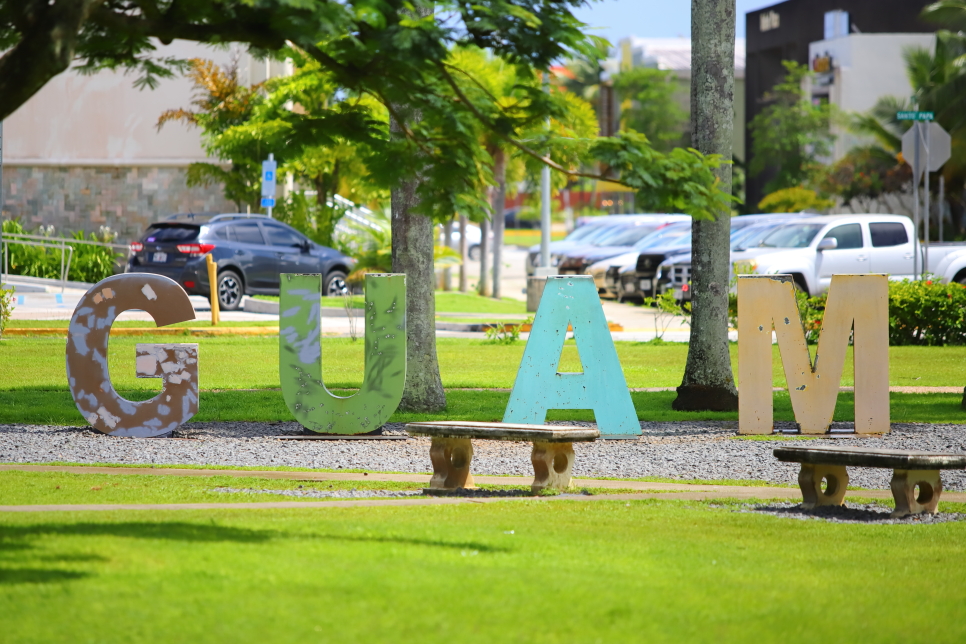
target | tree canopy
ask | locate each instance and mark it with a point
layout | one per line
(398, 52)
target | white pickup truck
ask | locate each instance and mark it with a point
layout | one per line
(815, 248)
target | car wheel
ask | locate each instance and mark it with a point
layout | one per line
(230, 290)
(474, 252)
(335, 285)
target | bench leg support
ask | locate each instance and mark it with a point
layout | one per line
(451, 459)
(903, 486)
(810, 480)
(553, 465)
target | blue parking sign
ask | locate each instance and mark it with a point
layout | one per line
(269, 168)
(268, 202)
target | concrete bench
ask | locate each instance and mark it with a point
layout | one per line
(452, 450)
(910, 469)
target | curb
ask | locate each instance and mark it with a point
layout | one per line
(181, 331)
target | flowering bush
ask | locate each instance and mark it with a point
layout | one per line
(6, 306)
(927, 312)
(923, 312)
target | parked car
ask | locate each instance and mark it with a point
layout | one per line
(251, 252)
(813, 249)
(578, 259)
(747, 231)
(474, 238)
(605, 271)
(593, 231)
(639, 279)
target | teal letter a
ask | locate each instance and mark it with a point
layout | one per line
(572, 301)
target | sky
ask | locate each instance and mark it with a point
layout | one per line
(618, 19)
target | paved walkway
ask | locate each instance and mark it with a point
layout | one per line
(43, 299)
(643, 490)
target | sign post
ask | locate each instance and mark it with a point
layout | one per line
(269, 168)
(926, 147)
(3, 263)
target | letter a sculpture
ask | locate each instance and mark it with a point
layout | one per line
(300, 356)
(601, 387)
(176, 364)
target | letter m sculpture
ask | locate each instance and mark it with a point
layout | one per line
(855, 302)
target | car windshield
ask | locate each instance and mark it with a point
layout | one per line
(171, 233)
(584, 232)
(667, 236)
(632, 235)
(609, 233)
(792, 236)
(752, 236)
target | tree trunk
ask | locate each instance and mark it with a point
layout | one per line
(708, 382)
(499, 204)
(483, 288)
(412, 254)
(463, 253)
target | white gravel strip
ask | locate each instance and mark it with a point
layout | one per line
(680, 450)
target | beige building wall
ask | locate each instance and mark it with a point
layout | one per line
(865, 67)
(86, 152)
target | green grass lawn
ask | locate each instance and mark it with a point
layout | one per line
(446, 302)
(523, 571)
(57, 407)
(527, 237)
(252, 363)
(46, 488)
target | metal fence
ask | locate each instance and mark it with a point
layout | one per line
(64, 244)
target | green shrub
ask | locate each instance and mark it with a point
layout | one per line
(923, 312)
(89, 264)
(793, 200)
(927, 312)
(6, 307)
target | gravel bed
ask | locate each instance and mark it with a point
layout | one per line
(680, 450)
(852, 513)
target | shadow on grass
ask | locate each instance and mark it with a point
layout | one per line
(168, 530)
(410, 541)
(12, 576)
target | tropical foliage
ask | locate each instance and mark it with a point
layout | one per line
(649, 106)
(791, 134)
(795, 199)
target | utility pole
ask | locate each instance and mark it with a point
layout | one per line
(545, 199)
(925, 261)
(915, 198)
(3, 262)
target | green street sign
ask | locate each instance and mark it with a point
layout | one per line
(916, 116)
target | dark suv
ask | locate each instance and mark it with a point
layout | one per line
(251, 251)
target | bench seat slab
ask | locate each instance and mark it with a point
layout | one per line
(503, 431)
(903, 486)
(553, 466)
(862, 457)
(451, 458)
(810, 481)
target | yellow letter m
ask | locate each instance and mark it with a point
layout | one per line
(859, 302)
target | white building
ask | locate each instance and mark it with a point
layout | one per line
(85, 151)
(674, 54)
(854, 71)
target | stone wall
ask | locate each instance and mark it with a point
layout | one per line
(126, 198)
